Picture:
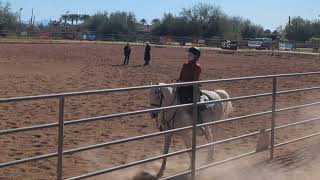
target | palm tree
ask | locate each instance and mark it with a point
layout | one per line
(84, 18)
(72, 18)
(64, 18)
(77, 18)
(143, 21)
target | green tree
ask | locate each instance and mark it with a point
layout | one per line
(155, 21)
(316, 28)
(206, 20)
(73, 18)
(84, 18)
(143, 21)
(115, 23)
(267, 33)
(131, 22)
(77, 18)
(8, 19)
(299, 29)
(64, 18)
(251, 30)
(275, 35)
(95, 22)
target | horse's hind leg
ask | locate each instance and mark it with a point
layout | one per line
(210, 139)
(188, 143)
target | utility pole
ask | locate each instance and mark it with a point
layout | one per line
(65, 21)
(31, 20)
(34, 17)
(20, 16)
(289, 20)
(20, 25)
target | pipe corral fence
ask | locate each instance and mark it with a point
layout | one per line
(141, 38)
(61, 123)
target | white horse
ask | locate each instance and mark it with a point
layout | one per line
(182, 117)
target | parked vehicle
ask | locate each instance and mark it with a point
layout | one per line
(286, 46)
(24, 33)
(3, 33)
(260, 43)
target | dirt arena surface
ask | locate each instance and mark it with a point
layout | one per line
(35, 69)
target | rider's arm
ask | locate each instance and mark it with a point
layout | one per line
(183, 69)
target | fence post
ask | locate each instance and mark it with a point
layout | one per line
(194, 130)
(60, 138)
(273, 123)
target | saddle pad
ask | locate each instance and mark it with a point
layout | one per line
(204, 98)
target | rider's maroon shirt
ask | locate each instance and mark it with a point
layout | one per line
(190, 71)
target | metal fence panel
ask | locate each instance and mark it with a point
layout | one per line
(60, 152)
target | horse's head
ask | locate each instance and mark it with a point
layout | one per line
(156, 98)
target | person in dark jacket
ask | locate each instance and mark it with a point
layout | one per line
(190, 72)
(126, 52)
(147, 56)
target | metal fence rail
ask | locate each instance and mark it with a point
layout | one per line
(136, 37)
(82, 93)
(62, 122)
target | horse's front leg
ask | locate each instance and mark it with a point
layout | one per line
(210, 139)
(167, 142)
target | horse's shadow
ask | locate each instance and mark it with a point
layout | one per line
(282, 165)
(123, 65)
(137, 66)
(117, 65)
(147, 176)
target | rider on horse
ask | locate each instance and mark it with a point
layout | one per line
(190, 72)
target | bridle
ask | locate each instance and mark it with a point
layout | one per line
(161, 100)
(160, 120)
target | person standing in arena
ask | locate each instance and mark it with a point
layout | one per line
(126, 52)
(147, 54)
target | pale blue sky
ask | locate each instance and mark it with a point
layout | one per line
(270, 13)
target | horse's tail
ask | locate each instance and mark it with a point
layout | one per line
(227, 105)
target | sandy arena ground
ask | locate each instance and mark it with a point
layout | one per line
(34, 69)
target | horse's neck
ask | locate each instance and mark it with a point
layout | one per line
(169, 96)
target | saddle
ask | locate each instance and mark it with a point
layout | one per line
(205, 98)
(187, 97)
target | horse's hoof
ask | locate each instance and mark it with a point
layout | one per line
(159, 175)
(210, 160)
